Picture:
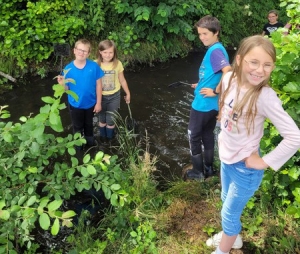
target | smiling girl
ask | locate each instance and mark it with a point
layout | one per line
(111, 85)
(246, 102)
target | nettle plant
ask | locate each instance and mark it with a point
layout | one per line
(284, 187)
(39, 170)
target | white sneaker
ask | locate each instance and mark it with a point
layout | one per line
(215, 240)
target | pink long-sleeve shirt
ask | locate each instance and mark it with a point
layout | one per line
(234, 142)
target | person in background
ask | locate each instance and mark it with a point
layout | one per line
(246, 101)
(113, 79)
(273, 23)
(204, 111)
(88, 87)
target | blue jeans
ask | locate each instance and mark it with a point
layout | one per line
(238, 185)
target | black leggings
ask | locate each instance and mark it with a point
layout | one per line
(201, 130)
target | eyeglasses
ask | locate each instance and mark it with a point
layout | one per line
(82, 51)
(254, 65)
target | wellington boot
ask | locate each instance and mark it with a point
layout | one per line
(103, 138)
(208, 162)
(208, 171)
(196, 173)
(110, 133)
(90, 141)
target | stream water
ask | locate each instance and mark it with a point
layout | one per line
(160, 110)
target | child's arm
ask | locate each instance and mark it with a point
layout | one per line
(124, 85)
(97, 107)
(271, 107)
(208, 92)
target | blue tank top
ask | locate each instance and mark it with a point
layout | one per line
(210, 73)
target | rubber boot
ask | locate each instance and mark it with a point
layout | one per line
(90, 141)
(196, 172)
(208, 163)
(110, 133)
(103, 137)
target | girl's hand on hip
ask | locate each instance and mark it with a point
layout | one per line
(255, 161)
(207, 92)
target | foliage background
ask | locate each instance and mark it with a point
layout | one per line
(145, 31)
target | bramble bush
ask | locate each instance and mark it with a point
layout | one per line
(39, 170)
(283, 188)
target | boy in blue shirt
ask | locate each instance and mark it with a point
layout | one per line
(204, 111)
(88, 87)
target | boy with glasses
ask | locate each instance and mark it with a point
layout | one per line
(88, 87)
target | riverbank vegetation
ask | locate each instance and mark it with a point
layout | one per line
(40, 171)
(145, 32)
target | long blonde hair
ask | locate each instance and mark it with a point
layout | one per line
(251, 96)
(106, 44)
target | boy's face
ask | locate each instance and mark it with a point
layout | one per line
(207, 37)
(81, 51)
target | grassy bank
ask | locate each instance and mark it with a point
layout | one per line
(180, 218)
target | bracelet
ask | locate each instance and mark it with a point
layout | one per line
(215, 92)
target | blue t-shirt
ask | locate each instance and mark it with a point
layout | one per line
(210, 73)
(85, 84)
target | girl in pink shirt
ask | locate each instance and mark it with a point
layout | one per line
(246, 102)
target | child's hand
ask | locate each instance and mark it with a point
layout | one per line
(255, 161)
(60, 79)
(127, 98)
(97, 108)
(207, 92)
(194, 85)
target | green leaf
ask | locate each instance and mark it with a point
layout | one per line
(68, 214)
(115, 187)
(23, 119)
(91, 169)
(84, 172)
(7, 137)
(2, 204)
(4, 214)
(30, 190)
(48, 99)
(31, 201)
(114, 199)
(133, 234)
(44, 221)
(54, 205)
(22, 200)
(44, 201)
(71, 173)
(32, 169)
(22, 175)
(86, 159)
(55, 227)
(99, 156)
(54, 118)
(15, 208)
(107, 191)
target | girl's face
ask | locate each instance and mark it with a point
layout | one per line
(256, 66)
(272, 17)
(107, 54)
(207, 37)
